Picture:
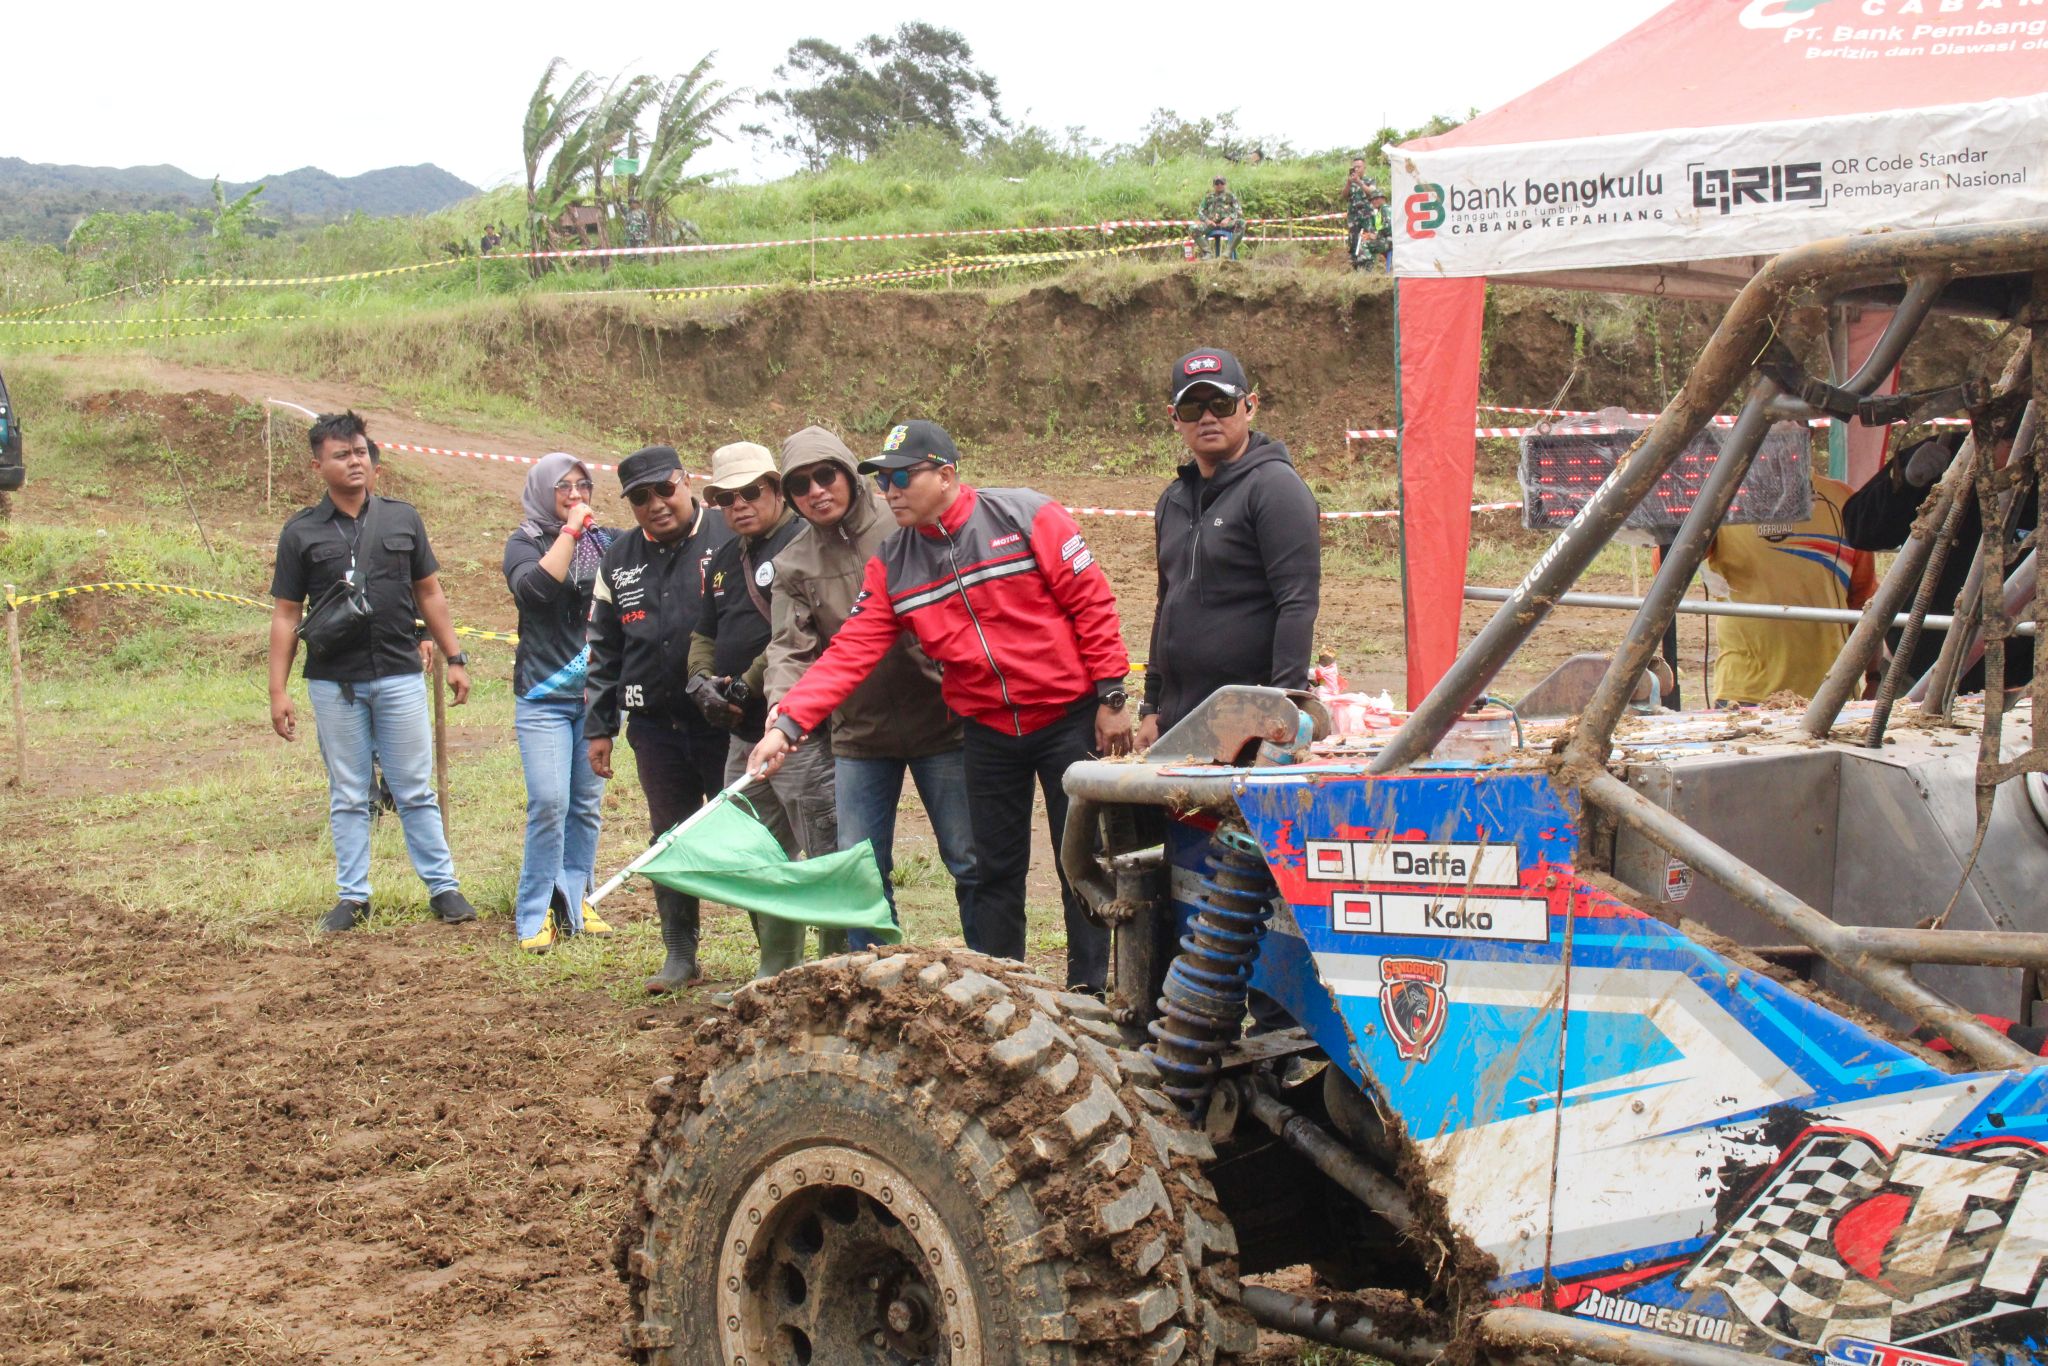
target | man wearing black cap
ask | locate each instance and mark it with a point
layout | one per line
(1001, 591)
(648, 594)
(1240, 551)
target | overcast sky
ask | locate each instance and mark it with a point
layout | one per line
(243, 90)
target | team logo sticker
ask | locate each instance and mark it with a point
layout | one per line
(1412, 1003)
(897, 435)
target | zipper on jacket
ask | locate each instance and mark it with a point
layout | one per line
(1003, 684)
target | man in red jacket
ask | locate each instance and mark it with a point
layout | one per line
(1000, 589)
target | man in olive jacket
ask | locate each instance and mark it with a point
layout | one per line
(895, 722)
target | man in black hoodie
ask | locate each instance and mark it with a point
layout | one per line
(1240, 552)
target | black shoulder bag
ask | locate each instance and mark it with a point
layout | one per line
(340, 621)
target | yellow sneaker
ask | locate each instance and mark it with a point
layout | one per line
(592, 924)
(541, 942)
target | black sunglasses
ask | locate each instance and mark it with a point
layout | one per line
(1191, 409)
(900, 479)
(665, 490)
(725, 498)
(798, 484)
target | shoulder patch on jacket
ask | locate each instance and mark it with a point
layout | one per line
(1073, 546)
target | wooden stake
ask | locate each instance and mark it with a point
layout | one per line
(440, 671)
(14, 673)
(269, 453)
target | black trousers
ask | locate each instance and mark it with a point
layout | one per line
(1002, 769)
(680, 766)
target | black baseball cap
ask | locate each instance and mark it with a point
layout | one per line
(648, 465)
(1217, 369)
(913, 443)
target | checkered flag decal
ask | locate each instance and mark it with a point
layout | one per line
(1777, 1262)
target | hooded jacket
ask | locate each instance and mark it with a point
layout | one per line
(1240, 580)
(897, 713)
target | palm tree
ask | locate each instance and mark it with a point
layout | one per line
(552, 119)
(688, 107)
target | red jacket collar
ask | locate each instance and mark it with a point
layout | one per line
(955, 517)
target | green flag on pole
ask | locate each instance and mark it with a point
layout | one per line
(727, 856)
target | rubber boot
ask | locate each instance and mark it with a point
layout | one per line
(782, 944)
(831, 942)
(679, 938)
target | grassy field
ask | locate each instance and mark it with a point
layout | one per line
(878, 197)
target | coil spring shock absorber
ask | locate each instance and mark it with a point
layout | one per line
(1203, 1007)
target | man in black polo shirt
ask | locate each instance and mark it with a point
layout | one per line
(729, 665)
(644, 607)
(369, 697)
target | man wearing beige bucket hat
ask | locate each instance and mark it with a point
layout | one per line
(728, 665)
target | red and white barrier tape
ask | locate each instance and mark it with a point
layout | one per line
(1722, 420)
(1326, 516)
(690, 248)
(500, 458)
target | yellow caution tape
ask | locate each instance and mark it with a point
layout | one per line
(68, 303)
(122, 337)
(234, 282)
(171, 589)
(159, 322)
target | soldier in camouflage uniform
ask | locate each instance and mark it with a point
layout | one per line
(636, 224)
(1380, 224)
(1222, 216)
(1358, 191)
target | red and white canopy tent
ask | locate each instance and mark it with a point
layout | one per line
(1675, 161)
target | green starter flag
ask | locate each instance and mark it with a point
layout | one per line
(728, 856)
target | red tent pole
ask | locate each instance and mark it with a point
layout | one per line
(1437, 325)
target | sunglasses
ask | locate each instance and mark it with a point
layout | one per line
(1191, 409)
(798, 484)
(665, 490)
(900, 479)
(582, 486)
(725, 498)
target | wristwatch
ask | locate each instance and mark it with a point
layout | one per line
(1114, 698)
(459, 658)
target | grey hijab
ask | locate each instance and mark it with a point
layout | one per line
(538, 498)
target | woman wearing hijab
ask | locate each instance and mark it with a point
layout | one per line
(551, 564)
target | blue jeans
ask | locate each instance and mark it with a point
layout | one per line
(562, 816)
(388, 718)
(869, 790)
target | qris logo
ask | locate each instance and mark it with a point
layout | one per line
(1795, 182)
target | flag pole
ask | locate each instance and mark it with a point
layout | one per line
(655, 849)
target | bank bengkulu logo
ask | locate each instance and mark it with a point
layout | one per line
(1777, 13)
(1425, 209)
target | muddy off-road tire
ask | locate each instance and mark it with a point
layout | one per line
(913, 1156)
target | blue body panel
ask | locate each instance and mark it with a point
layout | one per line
(1687, 1146)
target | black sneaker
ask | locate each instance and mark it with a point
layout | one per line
(346, 915)
(453, 907)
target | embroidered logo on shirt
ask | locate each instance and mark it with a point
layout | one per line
(999, 542)
(897, 434)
